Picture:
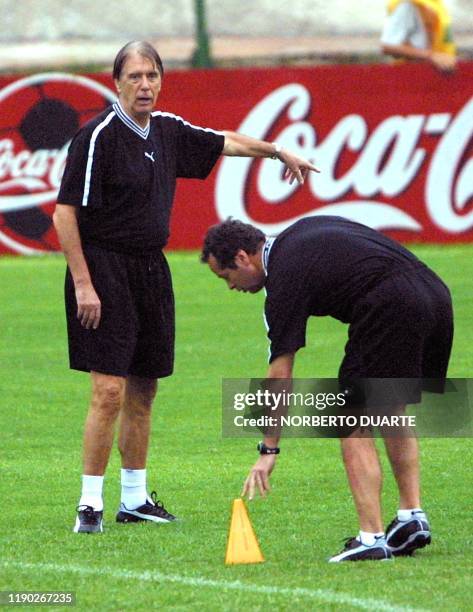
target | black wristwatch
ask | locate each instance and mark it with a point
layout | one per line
(266, 450)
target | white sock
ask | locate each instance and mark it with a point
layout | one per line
(367, 538)
(92, 487)
(133, 488)
(406, 514)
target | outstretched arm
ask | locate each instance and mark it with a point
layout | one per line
(239, 145)
(441, 61)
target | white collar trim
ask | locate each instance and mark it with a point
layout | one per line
(129, 122)
(265, 253)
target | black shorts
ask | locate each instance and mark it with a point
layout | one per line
(402, 329)
(136, 331)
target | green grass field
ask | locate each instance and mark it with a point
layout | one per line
(198, 474)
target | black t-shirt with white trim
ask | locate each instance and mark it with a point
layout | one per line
(123, 177)
(322, 266)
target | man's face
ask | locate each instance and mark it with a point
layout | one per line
(138, 86)
(245, 277)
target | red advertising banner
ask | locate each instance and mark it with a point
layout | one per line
(394, 145)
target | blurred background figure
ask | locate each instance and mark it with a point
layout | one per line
(419, 30)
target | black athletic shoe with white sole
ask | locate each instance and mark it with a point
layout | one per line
(88, 520)
(153, 510)
(404, 537)
(354, 550)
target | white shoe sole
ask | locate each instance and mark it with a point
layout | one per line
(145, 517)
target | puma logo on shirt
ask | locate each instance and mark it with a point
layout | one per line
(150, 155)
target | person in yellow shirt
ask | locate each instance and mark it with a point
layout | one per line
(419, 30)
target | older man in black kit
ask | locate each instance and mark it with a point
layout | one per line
(401, 326)
(112, 219)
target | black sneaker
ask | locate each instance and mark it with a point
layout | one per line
(88, 520)
(404, 537)
(152, 510)
(354, 550)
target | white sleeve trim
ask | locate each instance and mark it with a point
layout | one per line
(177, 118)
(90, 156)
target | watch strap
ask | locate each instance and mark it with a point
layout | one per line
(266, 450)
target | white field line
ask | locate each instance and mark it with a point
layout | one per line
(323, 595)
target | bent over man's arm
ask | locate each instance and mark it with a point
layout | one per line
(280, 368)
(88, 302)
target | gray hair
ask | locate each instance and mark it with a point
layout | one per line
(142, 47)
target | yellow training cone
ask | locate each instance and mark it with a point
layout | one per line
(242, 544)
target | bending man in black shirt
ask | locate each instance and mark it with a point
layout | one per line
(401, 327)
(112, 219)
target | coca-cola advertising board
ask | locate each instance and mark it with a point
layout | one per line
(393, 144)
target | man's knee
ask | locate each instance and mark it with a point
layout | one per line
(140, 392)
(358, 446)
(107, 393)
